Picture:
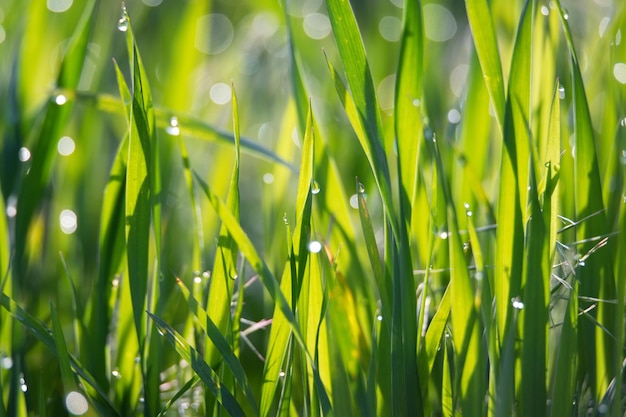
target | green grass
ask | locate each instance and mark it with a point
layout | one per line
(397, 216)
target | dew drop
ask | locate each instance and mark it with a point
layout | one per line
(545, 11)
(122, 24)
(315, 187)
(517, 303)
(315, 246)
(68, 221)
(379, 317)
(60, 99)
(285, 219)
(23, 385)
(268, 178)
(197, 279)
(281, 374)
(6, 362)
(361, 188)
(116, 374)
(11, 206)
(443, 235)
(561, 92)
(24, 154)
(206, 274)
(115, 282)
(622, 122)
(416, 102)
(623, 158)
(565, 14)
(354, 201)
(173, 128)
(76, 403)
(454, 116)
(66, 146)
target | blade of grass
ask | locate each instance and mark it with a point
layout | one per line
(224, 268)
(266, 277)
(485, 42)
(57, 113)
(202, 369)
(220, 343)
(596, 276)
(408, 95)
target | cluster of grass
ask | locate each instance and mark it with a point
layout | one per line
(392, 250)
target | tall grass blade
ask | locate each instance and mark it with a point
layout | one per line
(202, 369)
(485, 42)
(596, 276)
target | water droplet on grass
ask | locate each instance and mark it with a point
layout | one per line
(76, 403)
(361, 188)
(622, 122)
(561, 92)
(60, 99)
(545, 11)
(68, 221)
(315, 187)
(281, 374)
(565, 13)
(443, 235)
(379, 317)
(517, 303)
(354, 201)
(315, 246)
(416, 102)
(122, 24)
(268, 178)
(116, 374)
(285, 219)
(66, 146)
(173, 128)
(23, 154)
(454, 116)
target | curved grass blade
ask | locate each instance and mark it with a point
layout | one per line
(188, 125)
(100, 398)
(221, 344)
(202, 369)
(224, 268)
(485, 42)
(365, 117)
(596, 277)
(57, 113)
(408, 95)
(268, 280)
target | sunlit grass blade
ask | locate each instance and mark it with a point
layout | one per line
(250, 253)
(57, 113)
(596, 276)
(408, 96)
(485, 42)
(536, 292)
(221, 344)
(365, 117)
(224, 269)
(512, 189)
(42, 333)
(188, 126)
(202, 369)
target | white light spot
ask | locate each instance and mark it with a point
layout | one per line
(59, 6)
(173, 128)
(440, 24)
(454, 116)
(315, 246)
(268, 178)
(197, 279)
(385, 92)
(60, 99)
(6, 362)
(379, 317)
(619, 71)
(604, 23)
(443, 235)
(68, 221)
(214, 34)
(76, 403)
(152, 3)
(517, 303)
(316, 25)
(3, 34)
(23, 154)
(116, 374)
(66, 146)
(354, 201)
(545, 11)
(220, 93)
(390, 28)
(281, 374)
(458, 79)
(11, 206)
